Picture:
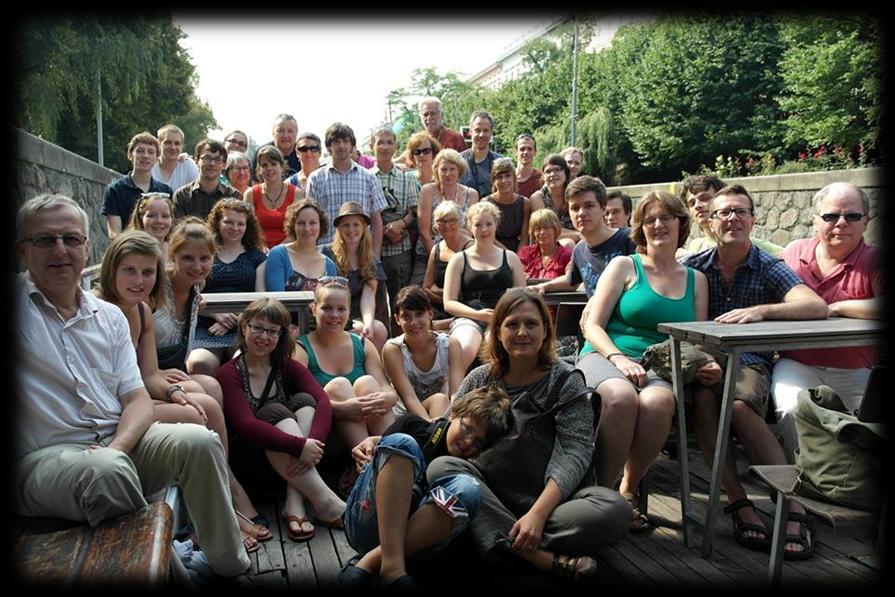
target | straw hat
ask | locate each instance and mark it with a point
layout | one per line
(351, 208)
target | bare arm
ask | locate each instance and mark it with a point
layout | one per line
(519, 278)
(526, 214)
(376, 229)
(455, 364)
(435, 293)
(858, 308)
(260, 271)
(373, 366)
(424, 215)
(798, 304)
(113, 226)
(537, 201)
(394, 366)
(136, 416)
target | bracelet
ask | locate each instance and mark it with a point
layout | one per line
(614, 354)
(170, 391)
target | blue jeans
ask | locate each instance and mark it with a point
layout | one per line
(458, 496)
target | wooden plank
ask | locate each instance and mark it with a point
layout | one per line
(326, 560)
(344, 551)
(270, 556)
(651, 569)
(658, 548)
(236, 302)
(300, 573)
(274, 580)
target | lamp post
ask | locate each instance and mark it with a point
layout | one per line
(574, 78)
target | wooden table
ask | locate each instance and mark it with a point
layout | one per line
(295, 301)
(734, 339)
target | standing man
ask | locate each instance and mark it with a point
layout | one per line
(401, 191)
(87, 448)
(431, 117)
(343, 180)
(847, 273)
(285, 131)
(618, 210)
(528, 178)
(747, 285)
(174, 168)
(480, 158)
(120, 196)
(198, 197)
(587, 198)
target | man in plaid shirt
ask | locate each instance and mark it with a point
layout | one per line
(344, 180)
(746, 285)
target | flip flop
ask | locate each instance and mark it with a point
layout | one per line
(260, 532)
(300, 535)
(246, 542)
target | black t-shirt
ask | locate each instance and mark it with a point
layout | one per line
(431, 437)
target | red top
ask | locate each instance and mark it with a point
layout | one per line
(240, 417)
(530, 256)
(451, 138)
(860, 276)
(271, 220)
(530, 185)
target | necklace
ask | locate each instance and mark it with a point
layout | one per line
(274, 202)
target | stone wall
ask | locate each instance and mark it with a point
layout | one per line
(783, 210)
(42, 167)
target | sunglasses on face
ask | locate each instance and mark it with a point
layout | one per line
(850, 217)
(307, 148)
(422, 151)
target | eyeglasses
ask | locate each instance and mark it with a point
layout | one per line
(553, 170)
(477, 442)
(664, 218)
(235, 142)
(48, 241)
(850, 217)
(422, 151)
(443, 221)
(259, 330)
(207, 159)
(241, 168)
(159, 195)
(724, 214)
(307, 148)
(333, 281)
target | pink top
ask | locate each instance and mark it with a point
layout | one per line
(530, 256)
(271, 220)
(240, 417)
(365, 161)
(860, 276)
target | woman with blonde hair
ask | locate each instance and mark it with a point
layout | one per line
(449, 168)
(154, 213)
(446, 220)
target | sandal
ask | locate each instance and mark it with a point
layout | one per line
(298, 535)
(260, 532)
(567, 567)
(740, 527)
(639, 521)
(249, 542)
(804, 538)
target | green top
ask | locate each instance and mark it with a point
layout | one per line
(322, 376)
(632, 325)
(704, 242)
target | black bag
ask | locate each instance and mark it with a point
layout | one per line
(514, 466)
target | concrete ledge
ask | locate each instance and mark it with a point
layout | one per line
(38, 151)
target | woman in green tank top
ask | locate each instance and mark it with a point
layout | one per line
(633, 295)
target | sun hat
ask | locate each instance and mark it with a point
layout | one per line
(351, 208)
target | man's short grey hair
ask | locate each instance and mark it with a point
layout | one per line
(47, 201)
(837, 186)
(429, 100)
(481, 114)
(380, 131)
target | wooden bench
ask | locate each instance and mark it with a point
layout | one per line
(132, 549)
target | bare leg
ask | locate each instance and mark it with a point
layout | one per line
(367, 384)
(618, 418)
(470, 339)
(352, 432)
(656, 407)
(437, 404)
(202, 361)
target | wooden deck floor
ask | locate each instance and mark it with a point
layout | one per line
(655, 559)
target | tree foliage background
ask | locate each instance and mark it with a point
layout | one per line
(146, 76)
(736, 94)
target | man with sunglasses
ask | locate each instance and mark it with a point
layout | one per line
(198, 197)
(847, 273)
(307, 148)
(747, 285)
(431, 117)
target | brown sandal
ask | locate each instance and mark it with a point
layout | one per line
(258, 531)
(300, 535)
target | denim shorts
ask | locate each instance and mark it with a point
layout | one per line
(457, 495)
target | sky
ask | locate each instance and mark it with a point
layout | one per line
(324, 70)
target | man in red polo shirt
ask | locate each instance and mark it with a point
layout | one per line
(430, 115)
(847, 273)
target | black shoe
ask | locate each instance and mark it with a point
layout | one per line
(403, 584)
(352, 576)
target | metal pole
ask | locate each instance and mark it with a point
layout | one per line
(574, 79)
(99, 119)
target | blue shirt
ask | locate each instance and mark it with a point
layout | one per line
(760, 280)
(589, 262)
(478, 175)
(121, 196)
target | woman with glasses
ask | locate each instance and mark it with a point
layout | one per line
(154, 213)
(634, 294)
(308, 151)
(348, 368)
(236, 264)
(476, 278)
(238, 172)
(419, 156)
(274, 404)
(545, 258)
(273, 196)
(553, 196)
(453, 240)
(557, 525)
(449, 169)
(512, 232)
(352, 252)
(132, 277)
(297, 264)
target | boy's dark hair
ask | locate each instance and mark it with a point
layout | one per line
(489, 405)
(627, 205)
(699, 183)
(588, 184)
(339, 130)
(412, 298)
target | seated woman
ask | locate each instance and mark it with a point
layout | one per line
(545, 258)
(453, 240)
(273, 196)
(347, 366)
(133, 274)
(154, 213)
(633, 295)
(515, 209)
(424, 367)
(352, 252)
(476, 278)
(275, 404)
(238, 171)
(553, 196)
(559, 525)
(237, 259)
(297, 264)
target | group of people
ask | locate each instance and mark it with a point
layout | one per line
(431, 343)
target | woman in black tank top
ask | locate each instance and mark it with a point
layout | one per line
(512, 231)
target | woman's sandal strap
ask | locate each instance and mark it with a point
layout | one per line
(738, 505)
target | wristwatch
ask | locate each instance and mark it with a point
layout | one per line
(170, 391)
